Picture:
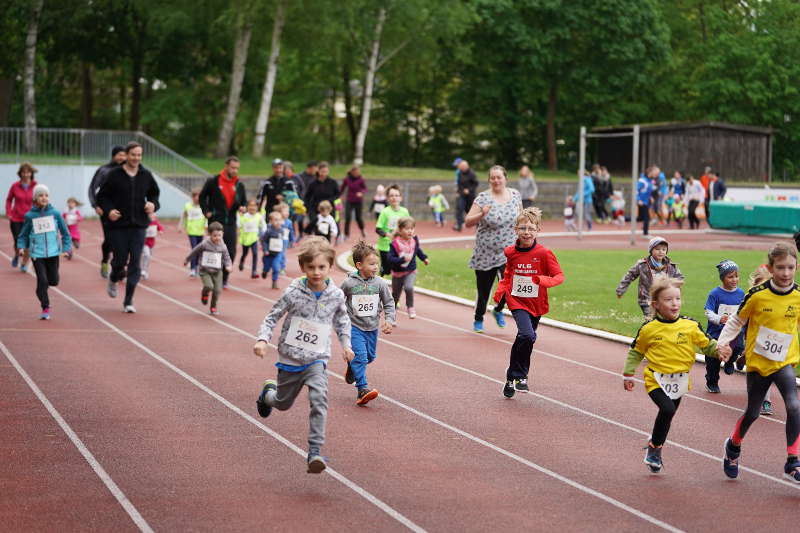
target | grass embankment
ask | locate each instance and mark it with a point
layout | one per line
(263, 167)
(587, 295)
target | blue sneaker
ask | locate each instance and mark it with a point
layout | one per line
(477, 326)
(15, 261)
(264, 410)
(652, 458)
(499, 318)
(23, 268)
(730, 462)
(791, 470)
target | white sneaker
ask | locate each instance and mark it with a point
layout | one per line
(112, 288)
(145, 275)
(129, 309)
(412, 313)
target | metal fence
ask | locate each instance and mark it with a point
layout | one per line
(56, 146)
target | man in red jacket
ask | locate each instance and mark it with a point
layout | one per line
(19, 202)
(530, 270)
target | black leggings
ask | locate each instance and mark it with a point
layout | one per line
(356, 208)
(16, 227)
(247, 249)
(757, 386)
(106, 246)
(694, 222)
(484, 279)
(230, 239)
(46, 269)
(666, 410)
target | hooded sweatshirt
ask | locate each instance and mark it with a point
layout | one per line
(39, 233)
(305, 334)
(21, 198)
(360, 292)
(644, 270)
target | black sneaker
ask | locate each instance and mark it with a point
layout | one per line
(740, 363)
(791, 470)
(729, 368)
(521, 385)
(652, 458)
(241, 266)
(730, 460)
(264, 410)
(349, 378)
(508, 389)
(712, 388)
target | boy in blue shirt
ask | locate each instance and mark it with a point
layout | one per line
(723, 301)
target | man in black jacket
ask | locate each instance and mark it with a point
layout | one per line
(273, 189)
(128, 196)
(323, 188)
(467, 184)
(118, 156)
(220, 199)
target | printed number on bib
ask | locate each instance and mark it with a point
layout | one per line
(524, 287)
(151, 231)
(772, 344)
(365, 304)
(72, 219)
(729, 310)
(675, 385)
(211, 260)
(276, 244)
(323, 227)
(568, 211)
(285, 234)
(250, 226)
(44, 224)
(307, 335)
(194, 213)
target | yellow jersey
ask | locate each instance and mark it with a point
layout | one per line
(669, 346)
(771, 328)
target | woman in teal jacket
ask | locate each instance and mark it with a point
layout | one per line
(39, 239)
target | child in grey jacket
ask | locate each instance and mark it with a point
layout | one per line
(312, 305)
(366, 294)
(214, 257)
(645, 269)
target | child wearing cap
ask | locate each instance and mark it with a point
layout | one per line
(645, 269)
(722, 302)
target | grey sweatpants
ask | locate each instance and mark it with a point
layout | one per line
(289, 386)
(405, 283)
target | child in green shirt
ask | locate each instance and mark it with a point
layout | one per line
(387, 224)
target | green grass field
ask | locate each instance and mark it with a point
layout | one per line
(263, 167)
(587, 295)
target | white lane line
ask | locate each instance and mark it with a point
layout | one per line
(583, 488)
(553, 400)
(396, 515)
(123, 500)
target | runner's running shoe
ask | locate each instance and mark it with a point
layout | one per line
(766, 408)
(521, 385)
(365, 396)
(499, 318)
(316, 463)
(45, 314)
(264, 410)
(791, 470)
(508, 389)
(730, 461)
(104, 270)
(477, 326)
(652, 458)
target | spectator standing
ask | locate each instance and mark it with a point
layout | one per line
(644, 195)
(467, 183)
(356, 188)
(528, 189)
(274, 188)
(118, 156)
(695, 196)
(322, 188)
(716, 190)
(222, 197)
(129, 196)
(18, 203)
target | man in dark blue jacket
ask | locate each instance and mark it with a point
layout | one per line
(118, 156)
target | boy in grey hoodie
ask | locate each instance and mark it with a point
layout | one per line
(214, 257)
(366, 294)
(312, 305)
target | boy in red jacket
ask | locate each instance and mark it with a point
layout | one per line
(530, 270)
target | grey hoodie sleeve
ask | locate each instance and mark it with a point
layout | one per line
(271, 320)
(341, 324)
(631, 275)
(388, 304)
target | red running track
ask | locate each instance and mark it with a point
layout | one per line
(164, 403)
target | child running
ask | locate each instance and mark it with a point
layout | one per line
(366, 294)
(771, 311)
(387, 224)
(646, 269)
(287, 232)
(312, 305)
(193, 221)
(378, 201)
(73, 217)
(668, 341)
(530, 270)
(38, 239)
(438, 204)
(403, 253)
(153, 229)
(326, 224)
(569, 214)
(272, 247)
(251, 225)
(214, 256)
(722, 302)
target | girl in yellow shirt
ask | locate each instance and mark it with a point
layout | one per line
(668, 340)
(771, 311)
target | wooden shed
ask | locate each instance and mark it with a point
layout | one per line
(737, 152)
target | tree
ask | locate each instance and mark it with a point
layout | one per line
(269, 82)
(244, 30)
(29, 75)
